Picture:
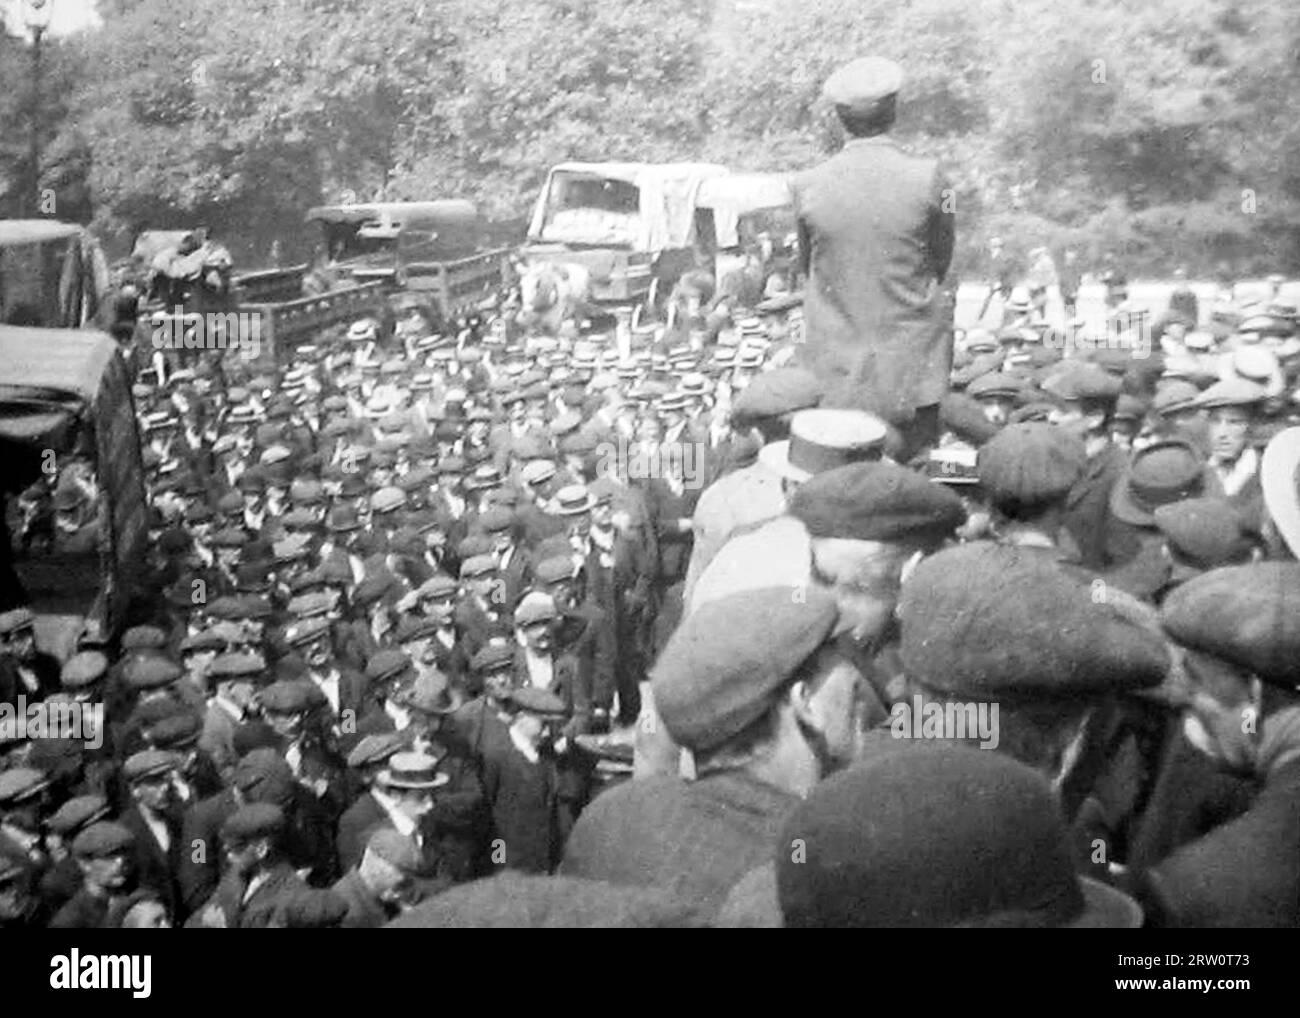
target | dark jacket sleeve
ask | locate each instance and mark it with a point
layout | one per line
(942, 228)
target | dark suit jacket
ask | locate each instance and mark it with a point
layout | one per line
(257, 911)
(695, 839)
(365, 912)
(153, 867)
(1087, 507)
(875, 241)
(1245, 873)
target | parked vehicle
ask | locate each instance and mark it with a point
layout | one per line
(745, 223)
(434, 248)
(52, 274)
(278, 308)
(629, 225)
(75, 525)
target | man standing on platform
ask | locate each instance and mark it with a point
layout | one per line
(876, 230)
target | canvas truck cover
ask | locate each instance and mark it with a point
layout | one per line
(739, 194)
(666, 202)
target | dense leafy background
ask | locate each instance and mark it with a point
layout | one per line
(1121, 125)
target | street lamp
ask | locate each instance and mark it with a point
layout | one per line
(36, 15)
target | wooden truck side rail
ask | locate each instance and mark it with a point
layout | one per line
(462, 282)
(270, 286)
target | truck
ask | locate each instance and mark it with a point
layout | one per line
(75, 523)
(435, 249)
(52, 274)
(629, 225)
(279, 305)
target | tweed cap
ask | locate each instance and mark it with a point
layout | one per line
(478, 565)
(985, 620)
(728, 661)
(20, 783)
(235, 665)
(1160, 474)
(535, 607)
(77, 813)
(260, 770)
(251, 822)
(1077, 380)
(143, 638)
(83, 669)
(102, 839)
(387, 664)
(1031, 462)
(937, 836)
(512, 900)
(493, 655)
(286, 696)
(1000, 384)
(148, 763)
(150, 671)
(1205, 532)
(1248, 615)
(780, 391)
(876, 501)
(1237, 392)
(178, 731)
(375, 749)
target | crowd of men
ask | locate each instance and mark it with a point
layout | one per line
(483, 627)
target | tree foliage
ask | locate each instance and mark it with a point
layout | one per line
(1164, 130)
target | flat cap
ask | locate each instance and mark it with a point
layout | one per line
(1206, 532)
(984, 620)
(1160, 474)
(19, 783)
(259, 769)
(15, 619)
(535, 607)
(1248, 615)
(541, 702)
(375, 749)
(1232, 392)
(478, 565)
(101, 839)
(307, 630)
(415, 627)
(148, 763)
(1078, 380)
(251, 822)
(727, 662)
(83, 669)
(863, 83)
(143, 638)
(876, 501)
(780, 391)
(77, 813)
(286, 696)
(229, 666)
(492, 655)
(937, 836)
(176, 732)
(386, 664)
(150, 671)
(1031, 463)
(438, 586)
(553, 569)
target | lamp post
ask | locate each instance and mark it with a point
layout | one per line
(36, 15)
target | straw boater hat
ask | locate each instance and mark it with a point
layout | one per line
(822, 439)
(1281, 483)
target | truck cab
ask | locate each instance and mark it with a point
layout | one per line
(630, 225)
(75, 525)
